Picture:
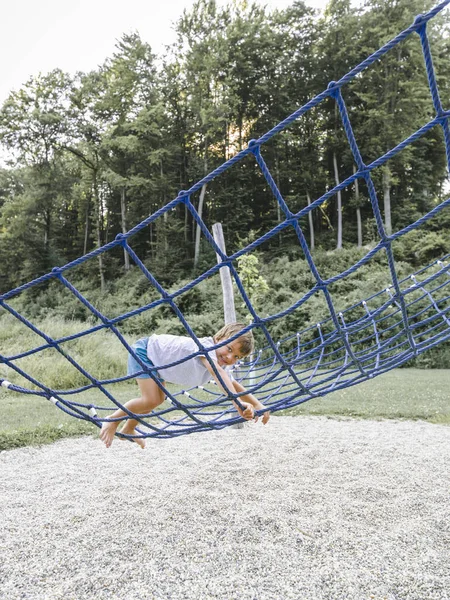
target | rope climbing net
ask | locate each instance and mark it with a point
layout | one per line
(375, 335)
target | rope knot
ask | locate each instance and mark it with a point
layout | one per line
(333, 88)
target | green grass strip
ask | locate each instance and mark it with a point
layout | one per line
(400, 394)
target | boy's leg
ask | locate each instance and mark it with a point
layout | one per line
(151, 397)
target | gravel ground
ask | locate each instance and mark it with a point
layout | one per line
(305, 509)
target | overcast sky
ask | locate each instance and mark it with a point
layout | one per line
(77, 35)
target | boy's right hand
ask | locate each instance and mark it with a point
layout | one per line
(248, 413)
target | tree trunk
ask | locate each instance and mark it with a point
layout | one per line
(226, 142)
(48, 219)
(198, 230)
(123, 212)
(151, 240)
(277, 171)
(339, 205)
(311, 223)
(186, 225)
(86, 226)
(98, 203)
(359, 225)
(387, 200)
(164, 244)
(358, 210)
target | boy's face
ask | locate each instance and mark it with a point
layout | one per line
(230, 353)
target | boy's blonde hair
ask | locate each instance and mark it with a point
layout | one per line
(246, 340)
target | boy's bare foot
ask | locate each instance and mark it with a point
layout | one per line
(140, 441)
(107, 432)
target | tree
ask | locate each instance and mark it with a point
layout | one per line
(338, 54)
(32, 124)
(394, 100)
(129, 87)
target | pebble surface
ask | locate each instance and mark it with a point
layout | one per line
(305, 508)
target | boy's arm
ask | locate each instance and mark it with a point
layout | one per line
(248, 412)
(250, 398)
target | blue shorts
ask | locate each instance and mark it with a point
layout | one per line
(140, 349)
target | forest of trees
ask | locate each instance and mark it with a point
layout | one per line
(89, 155)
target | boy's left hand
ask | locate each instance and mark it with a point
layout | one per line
(265, 417)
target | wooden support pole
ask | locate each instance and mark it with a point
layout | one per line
(225, 278)
(227, 286)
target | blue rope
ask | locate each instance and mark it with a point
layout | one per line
(371, 337)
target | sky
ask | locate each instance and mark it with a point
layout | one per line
(37, 36)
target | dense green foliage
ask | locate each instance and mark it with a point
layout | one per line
(92, 154)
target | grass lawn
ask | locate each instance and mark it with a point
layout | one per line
(399, 394)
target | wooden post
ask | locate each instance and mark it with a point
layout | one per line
(227, 286)
(225, 278)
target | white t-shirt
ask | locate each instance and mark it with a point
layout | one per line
(165, 349)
